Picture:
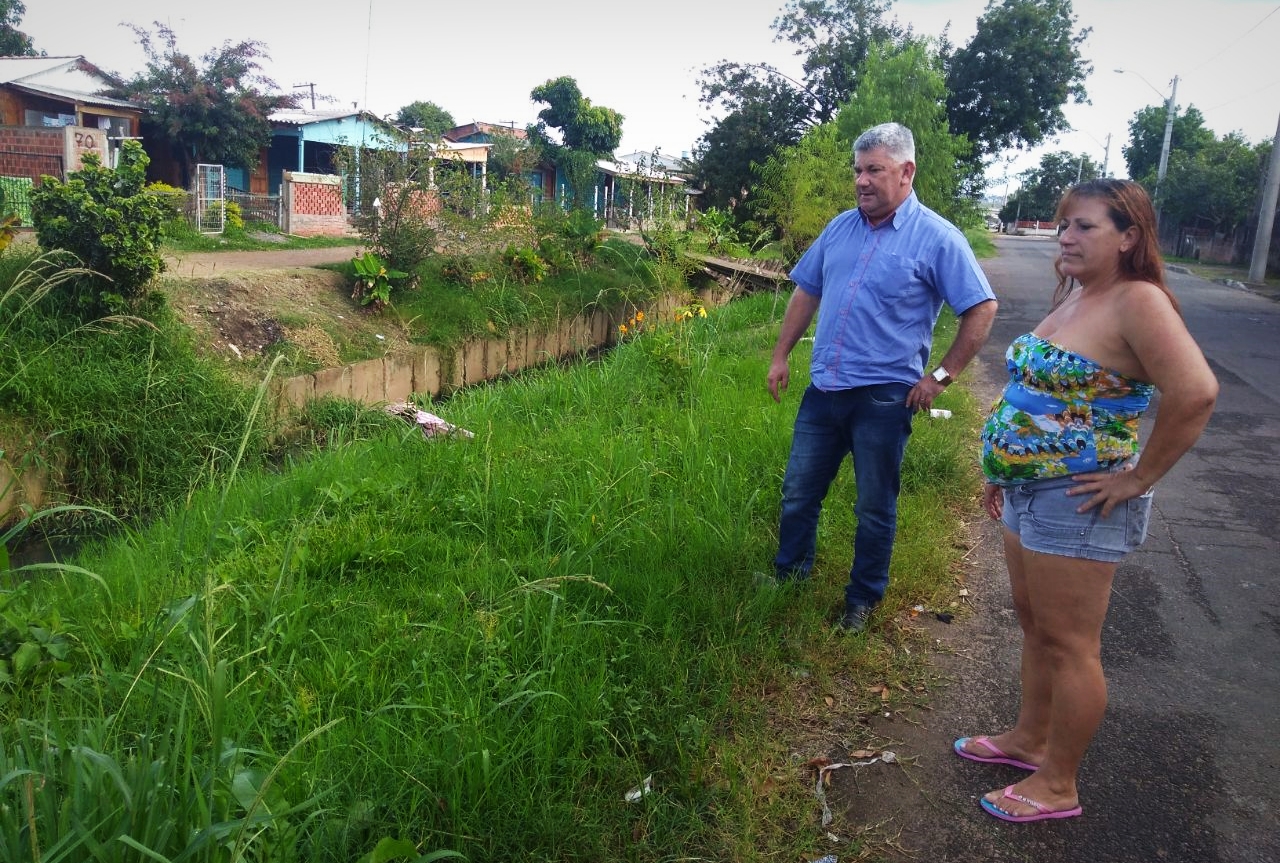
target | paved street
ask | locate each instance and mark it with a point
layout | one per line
(1186, 768)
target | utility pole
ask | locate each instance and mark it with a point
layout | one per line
(1106, 156)
(1170, 109)
(313, 92)
(1266, 217)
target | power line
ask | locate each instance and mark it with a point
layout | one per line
(1251, 93)
(1236, 41)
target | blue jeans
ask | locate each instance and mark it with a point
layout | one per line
(873, 423)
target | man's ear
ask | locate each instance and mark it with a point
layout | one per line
(908, 171)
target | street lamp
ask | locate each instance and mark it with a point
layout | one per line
(1170, 107)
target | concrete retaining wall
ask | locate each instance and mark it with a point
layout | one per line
(394, 378)
(427, 371)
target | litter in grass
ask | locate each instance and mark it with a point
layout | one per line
(430, 424)
(640, 790)
(824, 769)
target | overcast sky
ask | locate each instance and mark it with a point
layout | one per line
(480, 60)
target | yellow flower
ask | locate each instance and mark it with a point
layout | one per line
(622, 328)
(639, 316)
(702, 313)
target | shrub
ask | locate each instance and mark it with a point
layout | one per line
(525, 263)
(172, 199)
(106, 219)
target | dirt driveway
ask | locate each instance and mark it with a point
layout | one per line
(210, 264)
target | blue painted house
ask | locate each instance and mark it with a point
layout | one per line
(307, 140)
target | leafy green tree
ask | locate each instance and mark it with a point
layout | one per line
(106, 219)
(13, 42)
(906, 85)
(427, 116)
(725, 157)
(1043, 186)
(1216, 186)
(591, 128)
(806, 185)
(214, 111)
(1008, 85)
(1146, 139)
(765, 110)
(833, 37)
(1005, 88)
(587, 132)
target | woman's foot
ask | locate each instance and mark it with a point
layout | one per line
(989, 750)
(1030, 801)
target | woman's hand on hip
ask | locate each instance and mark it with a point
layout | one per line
(1108, 489)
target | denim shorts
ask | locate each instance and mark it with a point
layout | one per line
(1045, 520)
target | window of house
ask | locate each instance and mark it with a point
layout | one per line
(48, 118)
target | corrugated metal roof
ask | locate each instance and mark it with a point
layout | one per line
(75, 96)
(632, 169)
(303, 116)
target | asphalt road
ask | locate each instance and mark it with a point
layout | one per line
(1186, 767)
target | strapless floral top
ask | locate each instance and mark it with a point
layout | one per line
(1060, 414)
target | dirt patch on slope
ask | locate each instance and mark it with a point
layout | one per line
(243, 314)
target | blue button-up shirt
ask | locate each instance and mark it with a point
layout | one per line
(880, 290)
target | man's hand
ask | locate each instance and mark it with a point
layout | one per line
(779, 378)
(923, 393)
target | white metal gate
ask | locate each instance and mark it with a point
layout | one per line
(211, 199)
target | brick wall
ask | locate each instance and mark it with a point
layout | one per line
(30, 152)
(315, 199)
(313, 204)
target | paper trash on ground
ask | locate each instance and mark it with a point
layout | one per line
(430, 424)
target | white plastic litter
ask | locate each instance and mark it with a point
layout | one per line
(939, 414)
(887, 757)
(640, 790)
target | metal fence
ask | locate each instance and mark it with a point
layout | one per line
(22, 169)
(258, 208)
(15, 198)
(253, 208)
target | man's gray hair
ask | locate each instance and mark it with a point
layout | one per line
(895, 138)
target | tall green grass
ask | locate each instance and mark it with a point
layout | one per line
(122, 411)
(462, 645)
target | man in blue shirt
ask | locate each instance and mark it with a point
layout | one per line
(876, 277)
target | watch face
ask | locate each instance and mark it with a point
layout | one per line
(940, 375)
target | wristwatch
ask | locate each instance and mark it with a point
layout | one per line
(942, 376)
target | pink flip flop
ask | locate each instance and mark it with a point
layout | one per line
(999, 758)
(1043, 813)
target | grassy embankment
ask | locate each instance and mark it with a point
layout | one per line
(473, 645)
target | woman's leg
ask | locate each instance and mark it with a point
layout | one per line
(1026, 740)
(1067, 600)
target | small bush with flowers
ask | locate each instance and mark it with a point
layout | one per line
(667, 347)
